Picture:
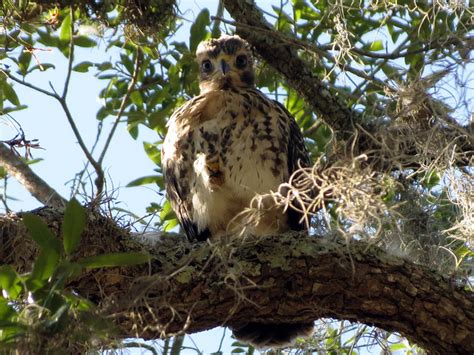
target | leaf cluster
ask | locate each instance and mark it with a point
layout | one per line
(38, 309)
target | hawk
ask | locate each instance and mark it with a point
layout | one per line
(225, 146)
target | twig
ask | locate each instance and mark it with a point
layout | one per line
(71, 56)
(24, 83)
(97, 167)
(3, 196)
(32, 182)
(140, 345)
(131, 86)
(99, 181)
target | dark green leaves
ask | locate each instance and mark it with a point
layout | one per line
(153, 179)
(198, 30)
(10, 281)
(50, 248)
(83, 67)
(24, 61)
(73, 225)
(9, 93)
(82, 41)
(72, 228)
(40, 233)
(44, 266)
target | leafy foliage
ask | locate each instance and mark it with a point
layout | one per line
(37, 308)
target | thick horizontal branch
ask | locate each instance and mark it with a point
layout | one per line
(193, 287)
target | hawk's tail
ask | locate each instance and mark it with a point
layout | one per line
(263, 335)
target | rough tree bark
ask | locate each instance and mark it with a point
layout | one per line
(194, 287)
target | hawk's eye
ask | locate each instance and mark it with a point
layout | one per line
(241, 61)
(206, 66)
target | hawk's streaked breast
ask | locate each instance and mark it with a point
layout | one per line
(232, 149)
(227, 145)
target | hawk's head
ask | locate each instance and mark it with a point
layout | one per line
(225, 62)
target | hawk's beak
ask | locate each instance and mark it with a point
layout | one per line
(225, 67)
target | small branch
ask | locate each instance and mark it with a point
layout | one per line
(71, 55)
(99, 181)
(28, 85)
(97, 167)
(32, 182)
(130, 88)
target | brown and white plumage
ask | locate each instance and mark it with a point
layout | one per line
(225, 146)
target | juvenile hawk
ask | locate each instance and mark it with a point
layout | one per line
(225, 146)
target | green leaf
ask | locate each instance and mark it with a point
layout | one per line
(239, 344)
(127, 63)
(83, 67)
(154, 154)
(10, 331)
(390, 71)
(198, 29)
(133, 130)
(10, 94)
(152, 179)
(65, 29)
(10, 281)
(40, 233)
(104, 66)
(399, 346)
(115, 259)
(6, 311)
(170, 224)
(11, 109)
(24, 61)
(431, 179)
(376, 45)
(47, 38)
(394, 32)
(83, 41)
(73, 225)
(167, 212)
(45, 265)
(42, 67)
(136, 98)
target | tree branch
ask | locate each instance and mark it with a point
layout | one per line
(283, 57)
(71, 55)
(32, 182)
(281, 53)
(99, 181)
(130, 89)
(194, 287)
